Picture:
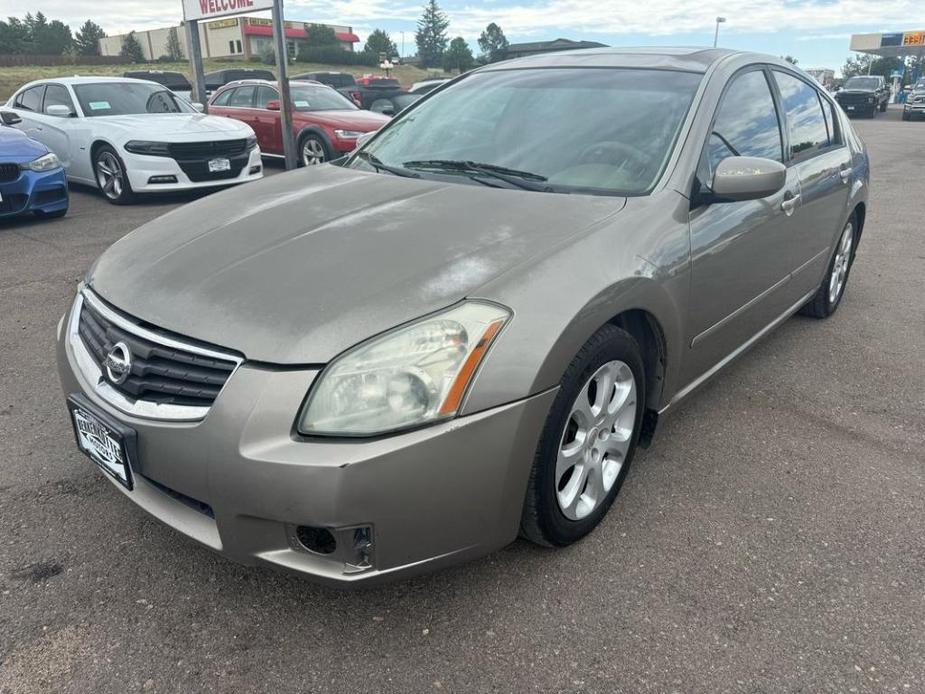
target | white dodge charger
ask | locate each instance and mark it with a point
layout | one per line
(132, 136)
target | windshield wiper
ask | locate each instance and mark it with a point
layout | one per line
(514, 177)
(378, 165)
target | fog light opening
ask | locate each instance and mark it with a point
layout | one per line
(318, 540)
(255, 169)
(162, 179)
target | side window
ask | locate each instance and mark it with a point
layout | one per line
(746, 122)
(31, 99)
(264, 95)
(808, 133)
(222, 99)
(57, 95)
(831, 122)
(243, 97)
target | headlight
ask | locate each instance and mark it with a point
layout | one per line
(154, 149)
(870, 99)
(348, 134)
(251, 143)
(414, 375)
(46, 162)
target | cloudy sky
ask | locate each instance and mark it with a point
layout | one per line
(814, 31)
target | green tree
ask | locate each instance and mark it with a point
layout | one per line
(431, 35)
(869, 65)
(131, 49)
(87, 39)
(14, 37)
(493, 43)
(458, 56)
(320, 35)
(380, 42)
(174, 49)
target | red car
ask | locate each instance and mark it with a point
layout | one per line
(326, 124)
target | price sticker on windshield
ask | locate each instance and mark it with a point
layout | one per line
(100, 106)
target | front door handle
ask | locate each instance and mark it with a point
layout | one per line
(846, 174)
(790, 204)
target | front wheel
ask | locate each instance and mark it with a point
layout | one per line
(883, 106)
(312, 151)
(112, 176)
(588, 441)
(832, 289)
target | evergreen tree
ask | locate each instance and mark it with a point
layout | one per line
(174, 49)
(380, 42)
(458, 56)
(431, 34)
(493, 43)
(14, 37)
(320, 35)
(131, 49)
(87, 39)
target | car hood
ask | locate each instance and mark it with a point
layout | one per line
(174, 127)
(349, 119)
(18, 147)
(296, 268)
(856, 91)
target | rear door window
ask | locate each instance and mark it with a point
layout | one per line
(243, 97)
(265, 95)
(746, 123)
(805, 120)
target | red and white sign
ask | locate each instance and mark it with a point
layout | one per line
(210, 9)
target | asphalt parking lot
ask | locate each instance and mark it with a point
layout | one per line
(771, 540)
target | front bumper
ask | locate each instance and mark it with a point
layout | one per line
(915, 108)
(33, 191)
(241, 481)
(142, 168)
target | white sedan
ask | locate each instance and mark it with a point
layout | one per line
(130, 136)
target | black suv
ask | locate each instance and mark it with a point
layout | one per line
(343, 82)
(864, 95)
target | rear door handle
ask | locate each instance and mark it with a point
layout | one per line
(790, 204)
(846, 174)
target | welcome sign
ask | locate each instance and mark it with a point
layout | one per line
(210, 9)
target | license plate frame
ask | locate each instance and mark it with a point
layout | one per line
(108, 443)
(219, 164)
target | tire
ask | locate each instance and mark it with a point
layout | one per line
(829, 295)
(907, 115)
(873, 113)
(883, 106)
(51, 215)
(316, 146)
(568, 497)
(111, 176)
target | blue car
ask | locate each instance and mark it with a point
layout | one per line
(31, 177)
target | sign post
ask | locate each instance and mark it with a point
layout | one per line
(195, 11)
(282, 68)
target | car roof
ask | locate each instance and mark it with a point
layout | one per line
(268, 83)
(666, 58)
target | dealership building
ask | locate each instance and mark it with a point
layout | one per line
(234, 37)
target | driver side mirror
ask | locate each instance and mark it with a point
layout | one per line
(747, 178)
(198, 106)
(383, 106)
(10, 118)
(273, 105)
(58, 111)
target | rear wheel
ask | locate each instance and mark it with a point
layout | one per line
(312, 151)
(883, 106)
(832, 289)
(111, 176)
(588, 441)
(907, 115)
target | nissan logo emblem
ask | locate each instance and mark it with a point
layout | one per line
(118, 363)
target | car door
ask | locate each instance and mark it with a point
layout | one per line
(240, 105)
(57, 130)
(268, 124)
(822, 162)
(28, 105)
(739, 262)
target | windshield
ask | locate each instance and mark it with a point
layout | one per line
(862, 83)
(124, 98)
(605, 131)
(305, 98)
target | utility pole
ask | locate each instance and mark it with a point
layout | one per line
(719, 20)
(285, 98)
(194, 50)
(402, 44)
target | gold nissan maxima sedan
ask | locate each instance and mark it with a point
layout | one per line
(462, 331)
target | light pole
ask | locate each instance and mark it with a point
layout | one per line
(719, 20)
(402, 54)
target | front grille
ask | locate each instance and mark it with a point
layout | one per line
(9, 172)
(854, 99)
(206, 150)
(159, 373)
(11, 204)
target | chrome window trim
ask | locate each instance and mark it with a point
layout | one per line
(143, 409)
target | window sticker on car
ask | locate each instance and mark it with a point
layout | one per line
(99, 105)
(301, 103)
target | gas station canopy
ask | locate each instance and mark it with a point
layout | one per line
(899, 44)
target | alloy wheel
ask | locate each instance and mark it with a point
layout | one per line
(110, 175)
(596, 440)
(312, 152)
(841, 264)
